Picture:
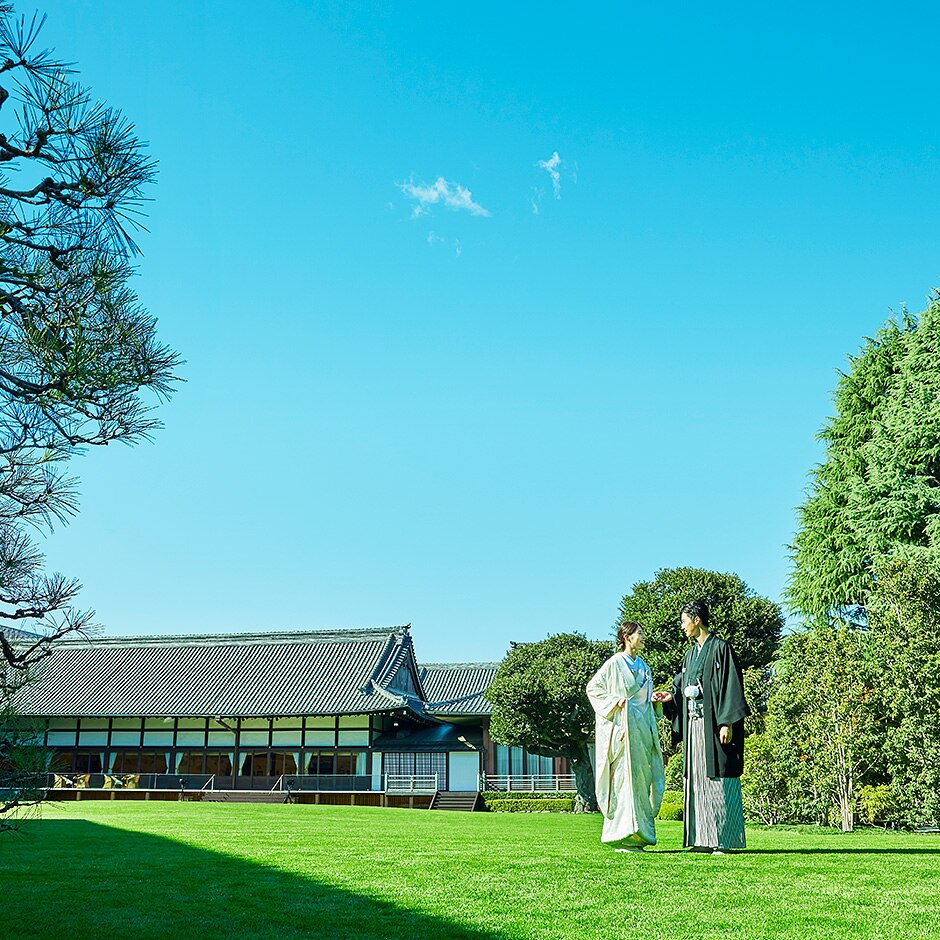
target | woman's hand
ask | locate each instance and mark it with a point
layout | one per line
(662, 697)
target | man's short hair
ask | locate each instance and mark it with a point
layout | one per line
(695, 609)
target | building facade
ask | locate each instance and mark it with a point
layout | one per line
(341, 710)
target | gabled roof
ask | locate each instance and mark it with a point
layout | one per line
(457, 688)
(333, 672)
(15, 634)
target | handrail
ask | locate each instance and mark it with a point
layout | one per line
(411, 783)
(527, 782)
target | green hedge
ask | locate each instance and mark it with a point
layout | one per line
(490, 795)
(549, 801)
(537, 805)
(672, 805)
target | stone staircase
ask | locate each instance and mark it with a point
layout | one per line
(465, 801)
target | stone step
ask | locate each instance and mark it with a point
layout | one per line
(455, 801)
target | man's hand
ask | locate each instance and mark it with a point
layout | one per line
(662, 697)
(724, 734)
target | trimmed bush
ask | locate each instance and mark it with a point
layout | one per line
(537, 805)
(490, 795)
(672, 805)
(670, 811)
(674, 778)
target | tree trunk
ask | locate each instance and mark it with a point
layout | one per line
(585, 801)
(846, 801)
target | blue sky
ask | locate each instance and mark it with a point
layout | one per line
(424, 384)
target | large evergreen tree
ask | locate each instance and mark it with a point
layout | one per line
(878, 486)
(751, 623)
(904, 614)
(540, 703)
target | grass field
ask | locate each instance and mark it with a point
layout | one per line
(190, 870)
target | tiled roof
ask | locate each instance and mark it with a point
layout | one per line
(15, 635)
(457, 688)
(260, 674)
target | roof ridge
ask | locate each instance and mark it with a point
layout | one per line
(459, 665)
(248, 638)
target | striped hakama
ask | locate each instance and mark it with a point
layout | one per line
(714, 816)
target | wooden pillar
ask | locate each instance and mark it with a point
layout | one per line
(489, 750)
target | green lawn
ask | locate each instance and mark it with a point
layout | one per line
(190, 870)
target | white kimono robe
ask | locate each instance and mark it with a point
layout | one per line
(628, 764)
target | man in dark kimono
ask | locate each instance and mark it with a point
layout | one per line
(707, 708)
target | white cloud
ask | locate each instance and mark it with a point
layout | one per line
(535, 200)
(551, 166)
(458, 250)
(433, 238)
(441, 192)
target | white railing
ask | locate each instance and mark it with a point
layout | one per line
(411, 783)
(293, 783)
(527, 782)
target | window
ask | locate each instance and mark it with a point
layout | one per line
(153, 762)
(502, 759)
(320, 723)
(515, 760)
(258, 764)
(283, 764)
(537, 764)
(62, 762)
(354, 721)
(124, 762)
(402, 764)
(190, 762)
(219, 764)
(126, 724)
(62, 724)
(351, 762)
(287, 723)
(87, 763)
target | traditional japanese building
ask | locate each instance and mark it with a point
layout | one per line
(343, 710)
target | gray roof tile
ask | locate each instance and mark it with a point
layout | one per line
(457, 688)
(262, 674)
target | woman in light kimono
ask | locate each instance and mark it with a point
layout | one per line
(628, 764)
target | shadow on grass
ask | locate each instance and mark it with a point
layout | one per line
(75, 877)
(898, 851)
